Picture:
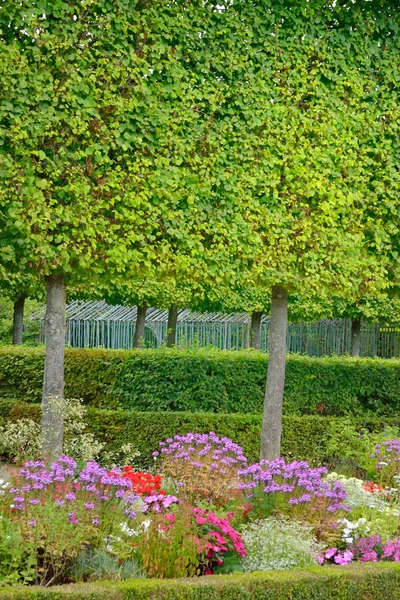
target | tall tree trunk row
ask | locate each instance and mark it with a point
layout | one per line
(272, 418)
(138, 341)
(355, 337)
(255, 332)
(18, 321)
(53, 406)
(171, 326)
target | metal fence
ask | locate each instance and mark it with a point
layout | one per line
(96, 324)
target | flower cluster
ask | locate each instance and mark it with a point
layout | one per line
(204, 465)
(277, 543)
(339, 558)
(359, 493)
(293, 487)
(61, 485)
(58, 511)
(222, 537)
(387, 455)
(372, 549)
(158, 502)
(353, 530)
(143, 484)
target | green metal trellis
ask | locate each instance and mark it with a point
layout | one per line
(96, 324)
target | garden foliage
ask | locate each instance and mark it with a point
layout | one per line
(355, 582)
(63, 522)
(327, 440)
(207, 380)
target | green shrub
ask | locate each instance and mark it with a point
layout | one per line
(309, 437)
(353, 582)
(207, 380)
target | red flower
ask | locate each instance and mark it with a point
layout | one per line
(144, 484)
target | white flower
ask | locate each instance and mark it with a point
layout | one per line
(129, 532)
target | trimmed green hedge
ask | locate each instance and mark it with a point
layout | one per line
(353, 582)
(306, 437)
(207, 380)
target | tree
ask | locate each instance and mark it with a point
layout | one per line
(254, 137)
(103, 168)
(322, 122)
(313, 144)
(69, 207)
(309, 116)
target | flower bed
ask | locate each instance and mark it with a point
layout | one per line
(203, 510)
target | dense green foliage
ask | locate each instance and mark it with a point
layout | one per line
(207, 380)
(355, 582)
(313, 438)
(198, 135)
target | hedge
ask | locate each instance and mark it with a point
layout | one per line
(306, 437)
(207, 380)
(352, 582)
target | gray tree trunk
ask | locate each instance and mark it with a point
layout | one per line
(18, 321)
(171, 326)
(255, 336)
(138, 340)
(355, 337)
(272, 418)
(53, 406)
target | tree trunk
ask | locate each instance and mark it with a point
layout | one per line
(138, 341)
(171, 326)
(355, 337)
(272, 418)
(53, 383)
(255, 336)
(18, 321)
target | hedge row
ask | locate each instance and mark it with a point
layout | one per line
(313, 438)
(207, 380)
(353, 582)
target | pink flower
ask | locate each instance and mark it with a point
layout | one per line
(343, 559)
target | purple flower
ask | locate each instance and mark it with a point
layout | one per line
(95, 521)
(130, 513)
(72, 518)
(331, 552)
(19, 499)
(60, 502)
(32, 523)
(305, 498)
(34, 501)
(70, 496)
(131, 499)
(89, 506)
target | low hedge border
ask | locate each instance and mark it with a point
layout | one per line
(351, 582)
(304, 437)
(208, 380)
